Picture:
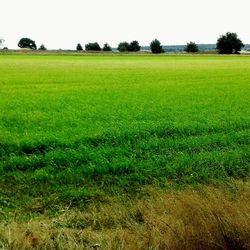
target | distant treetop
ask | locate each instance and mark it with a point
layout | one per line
(79, 47)
(106, 47)
(42, 47)
(191, 47)
(93, 46)
(27, 43)
(229, 44)
(129, 47)
(1, 42)
(134, 46)
(123, 47)
(156, 47)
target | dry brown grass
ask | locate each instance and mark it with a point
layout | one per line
(207, 218)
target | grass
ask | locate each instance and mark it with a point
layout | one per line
(206, 218)
(130, 152)
(81, 128)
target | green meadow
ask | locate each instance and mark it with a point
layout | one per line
(82, 128)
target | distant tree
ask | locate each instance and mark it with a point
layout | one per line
(79, 47)
(5, 48)
(131, 47)
(106, 47)
(93, 46)
(134, 46)
(191, 47)
(27, 43)
(42, 47)
(1, 42)
(156, 47)
(229, 44)
(123, 46)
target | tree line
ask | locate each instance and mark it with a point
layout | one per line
(228, 43)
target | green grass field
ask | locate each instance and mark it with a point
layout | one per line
(80, 128)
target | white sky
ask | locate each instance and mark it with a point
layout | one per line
(63, 24)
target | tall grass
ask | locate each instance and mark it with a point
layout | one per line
(205, 218)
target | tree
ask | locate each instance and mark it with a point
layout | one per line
(229, 44)
(156, 47)
(191, 47)
(131, 47)
(93, 46)
(27, 43)
(134, 46)
(106, 47)
(123, 46)
(79, 47)
(42, 47)
(1, 42)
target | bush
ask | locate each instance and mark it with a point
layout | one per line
(93, 46)
(156, 47)
(27, 43)
(191, 47)
(106, 47)
(42, 47)
(79, 47)
(229, 44)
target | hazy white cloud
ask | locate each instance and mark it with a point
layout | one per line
(62, 24)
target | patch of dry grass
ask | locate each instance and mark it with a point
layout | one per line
(206, 218)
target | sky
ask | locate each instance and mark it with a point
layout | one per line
(64, 23)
